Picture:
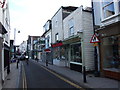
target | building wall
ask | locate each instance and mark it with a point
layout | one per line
(0, 48)
(82, 24)
(1, 15)
(97, 13)
(87, 34)
(57, 26)
(76, 15)
(4, 61)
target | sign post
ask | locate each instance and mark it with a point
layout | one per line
(95, 42)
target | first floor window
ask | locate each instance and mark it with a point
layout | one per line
(108, 8)
(71, 27)
(71, 31)
(56, 37)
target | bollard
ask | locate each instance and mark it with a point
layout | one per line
(84, 74)
(46, 62)
(17, 64)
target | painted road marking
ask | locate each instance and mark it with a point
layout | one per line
(62, 78)
(24, 78)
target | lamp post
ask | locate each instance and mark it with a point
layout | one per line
(15, 42)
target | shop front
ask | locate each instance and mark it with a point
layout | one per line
(76, 56)
(73, 53)
(58, 54)
(110, 51)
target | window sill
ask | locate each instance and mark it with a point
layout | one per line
(110, 17)
(112, 69)
(76, 63)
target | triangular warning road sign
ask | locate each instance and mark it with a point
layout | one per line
(94, 39)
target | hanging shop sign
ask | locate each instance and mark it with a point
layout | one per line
(47, 50)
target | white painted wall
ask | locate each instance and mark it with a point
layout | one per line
(57, 25)
(82, 23)
(87, 34)
(77, 19)
(97, 12)
(1, 15)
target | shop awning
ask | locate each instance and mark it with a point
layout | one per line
(72, 39)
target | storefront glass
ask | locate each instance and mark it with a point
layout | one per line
(76, 53)
(111, 52)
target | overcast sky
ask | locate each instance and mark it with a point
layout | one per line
(29, 16)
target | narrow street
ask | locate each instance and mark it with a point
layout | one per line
(38, 76)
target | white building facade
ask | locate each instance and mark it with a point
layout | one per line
(48, 37)
(23, 47)
(78, 29)
(4, 40)
(58, 33)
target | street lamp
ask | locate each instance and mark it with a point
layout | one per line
(15, 40)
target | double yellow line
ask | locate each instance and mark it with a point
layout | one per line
(24, 78)
(64, 79)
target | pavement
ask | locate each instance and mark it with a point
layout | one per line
(12, 80)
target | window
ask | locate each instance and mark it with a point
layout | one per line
(48, 41)
(71, 27)
(56, 22)
(76, 55)
(108, 8)
(119, 5)
(56, 37)
(111, 58)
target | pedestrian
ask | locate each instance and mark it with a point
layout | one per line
(36, 59)
(26, 58)
(17, 63)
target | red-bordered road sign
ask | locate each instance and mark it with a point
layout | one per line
(94, 39)
(2, 3)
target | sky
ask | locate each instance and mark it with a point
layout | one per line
(29, 16)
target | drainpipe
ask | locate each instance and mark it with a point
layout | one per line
(97, 72)
(3, 76)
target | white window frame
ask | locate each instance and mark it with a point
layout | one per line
(71, 27)
(103, 7)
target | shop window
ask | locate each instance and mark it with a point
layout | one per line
(111, 53)
(76, 53)
(108, 8)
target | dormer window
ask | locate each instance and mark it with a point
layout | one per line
(108, 8)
